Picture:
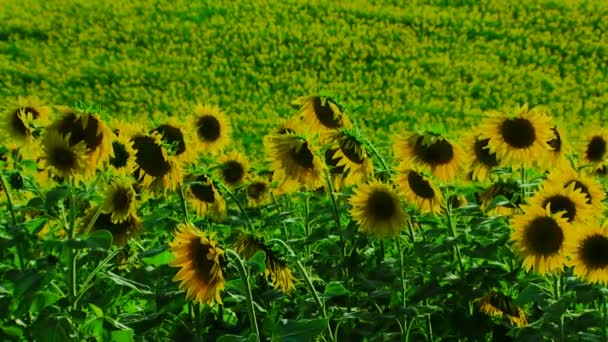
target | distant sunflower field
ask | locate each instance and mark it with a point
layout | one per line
(303, 171)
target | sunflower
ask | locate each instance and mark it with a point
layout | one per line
(335, 172)
(21, 119)
(589, 254)
(212, 128)
(558, 148)
(351, 158)
(540, 238)
(497, 304)
(233, 168)
(420, 190)
(377, 209)
(200, 258)
(276, 268)
(595, 147)
(177, 140)
(439, 155)
(480, 159)
(258, 191)
(89, 129)
(293, 158)
(320, 114)
(120, 200)
(122, 231)
(567, 200)
(205, 197)
(509, 189)
(62, 158)
(155, 168)
(593, 191)
(122, 159)
(519, 139)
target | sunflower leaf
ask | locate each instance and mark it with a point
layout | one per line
(258, 262)
(301, 330)
(101, 239)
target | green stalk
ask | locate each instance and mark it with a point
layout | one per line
(245, 279)
(241, 208)
(93, 220)
(557, 295)
(71, 225)
(378, 155)
(182, 199)
(604, 319)
(403, 286)
(11, 209)
(452, 229)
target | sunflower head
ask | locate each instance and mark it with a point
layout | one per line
(62, 158)
(509, 189)
(122, 157)
(595, 147)
(480, 160)
(233, 169)
(205, 197)
(320, 113)
(176, 139)
(348, 158)
(154, 167)
(592, 190)
(497, 304)
(588, 251)
(377, 209)
(21, 121)
(121, 231)
(565, 200)
(258, 191)
(420, 190)
(200, 261)
(120, 200)
(212, 129)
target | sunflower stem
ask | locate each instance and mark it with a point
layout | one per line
(307, 221)
(245, 279)
(241, 208)
(93, 220)
(557, 295)
(182, 199)
(336, 211)
(410, 229)
(403, 285)
(378, 155)
(71, 226)
(523, 183)
(604, 320)
(11, 209)
(452, 229)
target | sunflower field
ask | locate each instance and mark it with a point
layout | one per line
(303, 170)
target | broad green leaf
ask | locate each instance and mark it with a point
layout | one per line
(101, 239)
(258, 262)
(159, 259)
(122, 281)
(126, 335)
(335, 289)
(300, 330)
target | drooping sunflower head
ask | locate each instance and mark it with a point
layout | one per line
(377, 209)
(320, 113)
(155, 169)
(88, 129)
(420, 190)
(594, 149)
(200, 260)
(540, 239)
(565, 200)
(518, 139)
(592, 190)
(258, 191)
(62, 158)
(349, 158)
(176, 139)
(123, 155)
(588, 251)
(205, 197)
(510, 189)
(122, 231)
(497, 304)
(212, 129)
(294, 159)
(481, 160)
(433, 152)
(120, 200)
(276, 268)
(21, 121)
(233, 169)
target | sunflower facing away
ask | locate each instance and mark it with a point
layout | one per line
(276, 268)
(155, 168)
(63, 159)
(120, 201)
(176, 139)
(588, 250)
(294, 159)
(506, 188)
(200, 260)
(481, 160)
(212, 129)
(595, 148)
(439, 155)
(205, 197)
(593, 191)
(128, 228)
(320, 114)
(233, 168)
(420, 190)
(122, 159)
(350, 157)
(497, 304)
(20, 120)
(258, 191)
(377, 209)
(519, 139)
(540, 238)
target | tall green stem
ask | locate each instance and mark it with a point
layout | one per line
(604, 319)
(11, 209)
(182, 198)
(241, 208)
(71, 228)
(452, 229)
(557, 295)
(245, 279)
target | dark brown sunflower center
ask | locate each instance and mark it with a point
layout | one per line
(121, 156)
(89, 133)
(202, 189)
(149, 156)
(208, 128)
(420, 186)
(582, 188)
(325, 114)
(303, 156)
(438, 153)
(122, 199)
(518, 132)
(596, 149)
(559, 203)
(483, 154)
(63, 158)
(172, 136)
(456, 201)
(593, 252)
(119, 230)
(333, 162)
(556, 142)
(200, 263)
(381, 206)
(352, 150)
(256, 190)
(543, 236)
(233, 172)
(17, 123)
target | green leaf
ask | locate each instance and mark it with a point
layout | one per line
(126, 335)
(497, 201)
(335, 289)
(258, 262)
(301, 330)
(55, 195)
(159, 259)
(101, 239)
(29, 165)
(34, 226)
(96, 310)
(141, 288)
(232, 338)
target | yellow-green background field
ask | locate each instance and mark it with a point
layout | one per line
(389, 60)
